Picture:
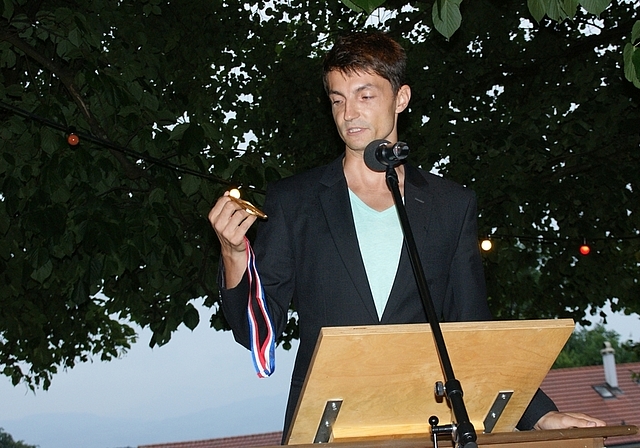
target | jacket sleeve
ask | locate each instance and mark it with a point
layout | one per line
(466, 273)
(274, 262)
(539, 406)
(234, 307)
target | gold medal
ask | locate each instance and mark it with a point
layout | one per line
(234, 195)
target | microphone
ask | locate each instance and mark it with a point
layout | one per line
(380, 154)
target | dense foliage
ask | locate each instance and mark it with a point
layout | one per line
(7, 441)
(174, 101)
(584, 348)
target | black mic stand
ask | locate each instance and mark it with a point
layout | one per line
(462, 431)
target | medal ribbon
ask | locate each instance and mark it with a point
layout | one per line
(261, 328)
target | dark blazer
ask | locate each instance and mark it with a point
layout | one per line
(307, 254)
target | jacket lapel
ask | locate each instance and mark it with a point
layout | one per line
(418, 202)
(337, 211)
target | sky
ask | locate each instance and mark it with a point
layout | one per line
(200, 385)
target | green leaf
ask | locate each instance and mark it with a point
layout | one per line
(570, 7)
(4, 219)
(178, 131)
(555, 11)
(75, 38)
(190, 184)
(595, 7)
(636, 64)
(191, 317)
(271, 174)
(210, 131)
(538, 8)
(49, 140)
(64, 48)
(131, 257)
(43, 272)
(157, 196)
(7, 11)
(447, 17)
(351, 5)
(631, 56)
(150, 102)
(192, 138)
(8, 58)
(635, 32)
(367, 6)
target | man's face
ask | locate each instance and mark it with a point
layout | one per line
(365, 108)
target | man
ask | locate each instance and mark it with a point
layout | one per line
(318, 248)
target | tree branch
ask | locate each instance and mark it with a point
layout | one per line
(66, 77)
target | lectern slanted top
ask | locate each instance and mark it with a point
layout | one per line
(384, 375)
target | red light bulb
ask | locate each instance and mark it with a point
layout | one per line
(585, 249)
(73, 139)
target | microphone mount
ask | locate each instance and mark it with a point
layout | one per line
(380, 154)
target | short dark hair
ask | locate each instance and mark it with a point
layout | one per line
(368, 52)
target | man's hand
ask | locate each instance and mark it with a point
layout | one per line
(231, 223)
(563, 420)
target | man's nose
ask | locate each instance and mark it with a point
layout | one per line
(350, 110)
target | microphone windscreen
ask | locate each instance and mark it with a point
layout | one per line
(371, 158)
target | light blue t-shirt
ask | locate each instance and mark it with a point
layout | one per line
(380, 238)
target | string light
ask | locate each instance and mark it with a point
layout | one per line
(72, 137)
(486, 244)
(585, 249)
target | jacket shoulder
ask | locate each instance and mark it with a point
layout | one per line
(307, 181)
(437, 184)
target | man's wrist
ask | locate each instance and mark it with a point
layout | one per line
(234, 266)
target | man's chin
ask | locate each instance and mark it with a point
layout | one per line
(356, 148)
(357, 144)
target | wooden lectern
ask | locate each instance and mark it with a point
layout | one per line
(374, 386)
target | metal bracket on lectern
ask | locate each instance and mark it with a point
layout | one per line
(496, 410)
(329, 416)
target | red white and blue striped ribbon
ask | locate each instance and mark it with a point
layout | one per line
(261, 329)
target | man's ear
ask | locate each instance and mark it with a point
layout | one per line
(402, 98)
